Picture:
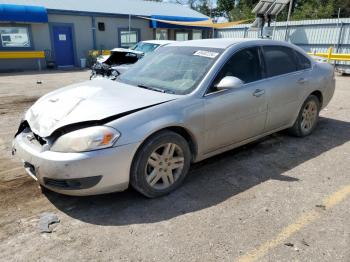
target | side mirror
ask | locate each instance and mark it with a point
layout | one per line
(229, 82)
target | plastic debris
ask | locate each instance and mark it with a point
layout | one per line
(47, 219)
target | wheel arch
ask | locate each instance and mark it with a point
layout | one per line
(319, 95)
(182, 131)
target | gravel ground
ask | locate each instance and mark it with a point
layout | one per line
(263, 202)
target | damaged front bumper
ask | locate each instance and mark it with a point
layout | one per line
(86, 173)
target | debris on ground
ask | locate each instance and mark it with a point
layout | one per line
(323, 207)
(47, 219)
(304, 243)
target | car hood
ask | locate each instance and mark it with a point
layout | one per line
(89, 101)
(103, 58)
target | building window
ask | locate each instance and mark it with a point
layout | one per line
(101, 26)
(181, 36)
(197, 34)
(14, 37)
(128, 38)
(162, 34)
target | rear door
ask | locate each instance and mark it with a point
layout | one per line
(285, 85)
(234, 115)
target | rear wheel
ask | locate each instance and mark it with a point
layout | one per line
(307, 118)
(161, 164)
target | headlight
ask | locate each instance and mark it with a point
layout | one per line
(87, 139)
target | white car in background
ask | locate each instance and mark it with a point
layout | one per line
(120, 59)
(145, 47)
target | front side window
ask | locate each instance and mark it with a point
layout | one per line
(244, 64)
(279, 60)
(170, 69)
(14, 37)
(128, 38)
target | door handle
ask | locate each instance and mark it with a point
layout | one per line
(302, 80)
(259, 92)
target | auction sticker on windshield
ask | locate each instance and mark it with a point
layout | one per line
(206, 54)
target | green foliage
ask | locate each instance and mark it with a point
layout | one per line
(314, 9)
(242, 9)
(302, 9)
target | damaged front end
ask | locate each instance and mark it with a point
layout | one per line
(107, 67)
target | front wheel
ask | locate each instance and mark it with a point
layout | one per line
(161, 164)
(307, 118)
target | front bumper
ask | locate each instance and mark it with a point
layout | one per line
(87, 173)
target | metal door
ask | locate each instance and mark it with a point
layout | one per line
(63, 46)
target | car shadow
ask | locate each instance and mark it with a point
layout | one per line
(211, 181)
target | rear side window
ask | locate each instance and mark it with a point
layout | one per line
(303, 62)
(279, 60)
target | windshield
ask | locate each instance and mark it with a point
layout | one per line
(170, 69)
(144, 47)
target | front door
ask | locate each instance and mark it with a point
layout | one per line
(234, 115)
(63, 45)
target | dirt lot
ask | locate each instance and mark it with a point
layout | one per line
(282, 199)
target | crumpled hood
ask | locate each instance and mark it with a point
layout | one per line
(89, 101)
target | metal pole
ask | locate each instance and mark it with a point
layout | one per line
(288, 18)
(274, 28)
(211, 12)
(290, 10)
(129, 27)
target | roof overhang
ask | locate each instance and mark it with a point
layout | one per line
(23, 13)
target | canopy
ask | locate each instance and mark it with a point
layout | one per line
(156, 21)
(23, 13)
(207, 23)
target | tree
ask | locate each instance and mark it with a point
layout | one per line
(224, 7)
(344, 6)
(204, 8)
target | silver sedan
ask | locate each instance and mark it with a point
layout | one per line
(186, 102)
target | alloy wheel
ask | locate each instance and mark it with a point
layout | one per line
(164, 166)
(309, 116)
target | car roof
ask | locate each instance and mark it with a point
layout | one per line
(159, 42)
(224, 43)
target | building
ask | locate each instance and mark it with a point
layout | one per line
(67, 29)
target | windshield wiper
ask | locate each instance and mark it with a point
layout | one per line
(151, 88)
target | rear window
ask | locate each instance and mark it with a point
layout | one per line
(303, 61)
(279, 60)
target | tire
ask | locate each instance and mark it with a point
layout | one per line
(161, 164)
(307, 120)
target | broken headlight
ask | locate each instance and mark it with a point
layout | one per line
(86, 139)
